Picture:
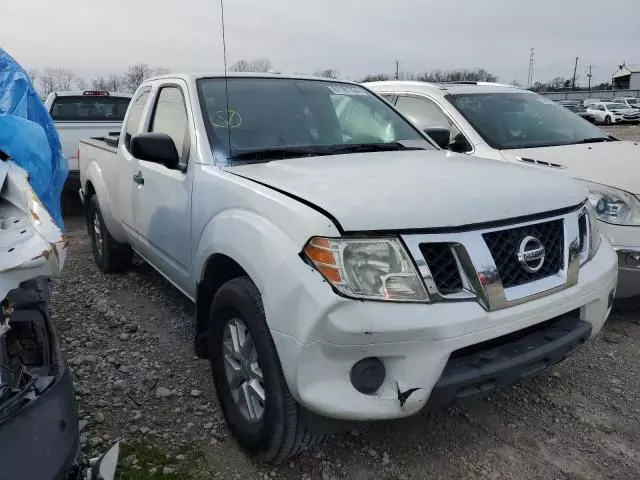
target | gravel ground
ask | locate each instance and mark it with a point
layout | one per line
(128, 339)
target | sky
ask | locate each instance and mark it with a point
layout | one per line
(355, 37)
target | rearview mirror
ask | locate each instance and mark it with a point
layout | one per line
(156, 148)
(440, 135)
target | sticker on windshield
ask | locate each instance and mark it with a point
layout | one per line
(347, 90)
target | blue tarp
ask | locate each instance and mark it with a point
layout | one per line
(29, 137)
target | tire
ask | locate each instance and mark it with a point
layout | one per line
(109, 255)
(607, 120)
(279, 432)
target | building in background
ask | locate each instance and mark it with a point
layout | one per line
(627, 77)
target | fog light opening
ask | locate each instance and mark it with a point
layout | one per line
(367, 375)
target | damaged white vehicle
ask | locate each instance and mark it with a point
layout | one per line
(343, 267)
(38, 414)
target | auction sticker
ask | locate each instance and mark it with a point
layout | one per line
(347, 90)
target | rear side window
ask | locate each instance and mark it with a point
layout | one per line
(133, 122)
(88, 108)
(170, 117)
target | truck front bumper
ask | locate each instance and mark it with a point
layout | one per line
(435, 353)
(626, 242)
(41, 441)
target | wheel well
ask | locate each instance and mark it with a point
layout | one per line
(219, 270)
(89, 191)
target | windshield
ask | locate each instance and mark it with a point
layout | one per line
(89, 108)
(632, 101)
(575, 108)
(523, 120)
(615, 106)
(271, 118)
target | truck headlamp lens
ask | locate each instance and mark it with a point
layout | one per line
(374, 269)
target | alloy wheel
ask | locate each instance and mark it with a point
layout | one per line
(97, 232)
(242, 371)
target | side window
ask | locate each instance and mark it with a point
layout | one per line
(388, 97)
(135, 114)
(170, 117)
(422, 112)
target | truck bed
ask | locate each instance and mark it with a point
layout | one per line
(110, 143)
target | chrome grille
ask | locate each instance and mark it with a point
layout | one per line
(484, 264)
(504, 245)
(444, 268)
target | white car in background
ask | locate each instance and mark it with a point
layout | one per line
(630, 102)
(614, 112)
(506, 123)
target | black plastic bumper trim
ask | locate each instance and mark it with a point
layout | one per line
(41, 440)
(476, 371)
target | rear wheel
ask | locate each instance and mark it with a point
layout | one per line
(109, 255)
(607, 120)
(254, 396)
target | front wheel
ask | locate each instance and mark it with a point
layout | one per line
(607, 120)
(255, 399)
(109, 255)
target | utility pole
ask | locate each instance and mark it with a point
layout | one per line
(397, 69)
(573, 84)
(530, 77)
(589, 77)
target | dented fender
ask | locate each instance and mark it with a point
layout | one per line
(31, 244)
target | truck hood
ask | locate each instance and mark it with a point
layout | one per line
(616, 164)
(415, 189)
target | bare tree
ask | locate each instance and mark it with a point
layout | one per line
(62, 78)
(377, 77)
(114, 83)
(240, 66)
(81, 84)
(327, 73)
(47, 84)
(257, 65)
(99, 83)
(135, 75)
(160, 71)
(261, 65)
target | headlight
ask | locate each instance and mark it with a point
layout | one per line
(594, 231)
(613, 205)
(375, 269)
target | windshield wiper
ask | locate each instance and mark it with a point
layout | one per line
(275, 153)
(294, 152)
(371, 147)
(594, 140)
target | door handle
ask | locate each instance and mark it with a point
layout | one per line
(138, 178)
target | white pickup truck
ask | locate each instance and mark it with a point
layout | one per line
(343, 267)
(84, 114)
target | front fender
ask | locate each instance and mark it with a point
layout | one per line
(94, 175)
(256, 244)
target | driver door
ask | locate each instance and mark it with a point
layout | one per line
(163, 196)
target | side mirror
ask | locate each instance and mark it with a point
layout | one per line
(156, 148)
(440, 135)
(459, 144)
